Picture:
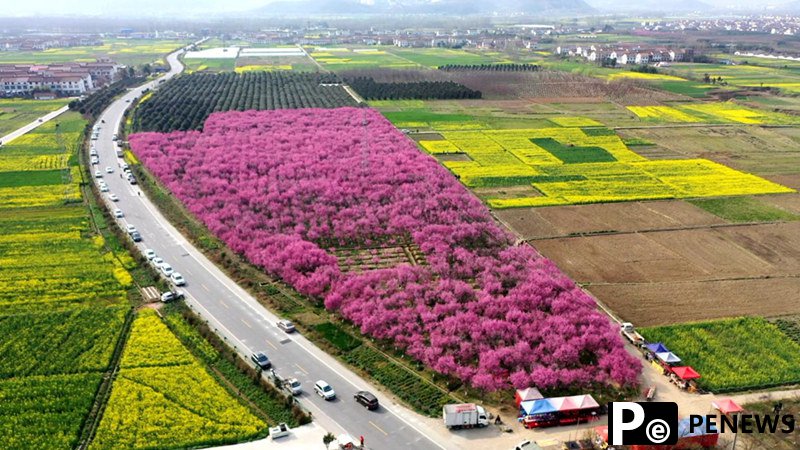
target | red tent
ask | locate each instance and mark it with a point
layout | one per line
(602, 433)
(523, 395)
(685, 373)
(726, 406)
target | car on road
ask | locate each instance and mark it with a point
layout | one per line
(177, 279)
(527, 445)
(130, 228)
(324, 390)
(157, 262)
(109, 169)
(260, 359)
(136, 236)
(166, 269)
(103, 187)
(95, 160)
(286, 325)
(150, 254)
(131, 178)
(118, 213)
(98, 174)
(114, 138)
(113, 197)
(124, 166)
(366, 399)
(293, 386)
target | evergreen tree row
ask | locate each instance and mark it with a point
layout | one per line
(96, 102)
(185, 102)
(371, 90)
(490, 68)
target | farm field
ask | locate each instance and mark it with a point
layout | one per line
(435, 57)
(733, 354)
(742, 76)
(163, 397)
(16, 113)
(345, 58)
(209, 64)
(129, 52)
(60, 288)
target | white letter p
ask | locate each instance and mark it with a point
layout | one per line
(618, 426)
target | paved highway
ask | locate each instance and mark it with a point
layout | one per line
(33, 125)
(242, 321)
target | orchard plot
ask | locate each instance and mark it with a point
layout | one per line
(305, 183)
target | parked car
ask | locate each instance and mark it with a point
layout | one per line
(166, 269)
(261, 360)
(293, 386)
(324, 390)
(278, 431)
(366, 399)
(114, 138)
(130, 228)
(177, 279)
(103, 187)
(109, 169)
(113, 197)
(118, 213)
(98, 174)
(157, 262)
(286, 325)
(136, 236)
(124, 166)
(150, 254)
(95, 160)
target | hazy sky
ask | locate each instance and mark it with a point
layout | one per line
(192, 7)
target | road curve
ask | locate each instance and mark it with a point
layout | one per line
(245, 323)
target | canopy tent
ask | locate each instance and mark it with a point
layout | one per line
(668, 357)
(541, 406)
(726, 406)
(585, 401)
(523, 395)
(705, 427)
(657, 347)
(564, 404)
(685, 373)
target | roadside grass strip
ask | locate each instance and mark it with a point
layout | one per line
(164, 398)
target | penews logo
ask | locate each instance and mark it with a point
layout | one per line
(637, 423)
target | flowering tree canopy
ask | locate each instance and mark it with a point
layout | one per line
(287, 187)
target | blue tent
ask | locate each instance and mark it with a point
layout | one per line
(699, 430)
(657, 347)
(541, 406)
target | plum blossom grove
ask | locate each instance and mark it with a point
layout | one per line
(285, 188)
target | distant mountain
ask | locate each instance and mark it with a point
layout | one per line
(452, 7)
(654, 6)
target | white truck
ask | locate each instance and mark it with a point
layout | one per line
(464, 415)
(627, 330)
(279, 431)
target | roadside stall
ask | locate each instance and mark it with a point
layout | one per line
(538, 413)
(666, 360)
(726, 406)
(684, 377)
(705, 435)
(556, 411)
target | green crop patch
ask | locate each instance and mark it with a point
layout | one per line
(337, 336)
(733, 354)
(574, 154)
(743, 209)
(31, 178)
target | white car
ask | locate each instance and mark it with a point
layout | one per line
(324, 390)
(103, 187)
(113, 197)
(130, 228)
(98, 174)
(150, 254)
(157, 262)
(124, 166)
(95, 160)
(109, 169)
(118, 213)
(177, 279)
(166, 269)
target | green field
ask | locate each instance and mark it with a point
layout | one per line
(16, 113)
(743, 209)
(130, 52)
(344, 58)
(733, 354)
(62, 294)
(209, 64)
(435, 57)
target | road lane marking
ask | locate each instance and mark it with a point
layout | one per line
(247, 324)
(225, 304)
(301, 368)
(271, 345)
(205, 287)
(378, 428)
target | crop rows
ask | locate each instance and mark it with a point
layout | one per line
(185, 102)
(164, 398)
(440, 90)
